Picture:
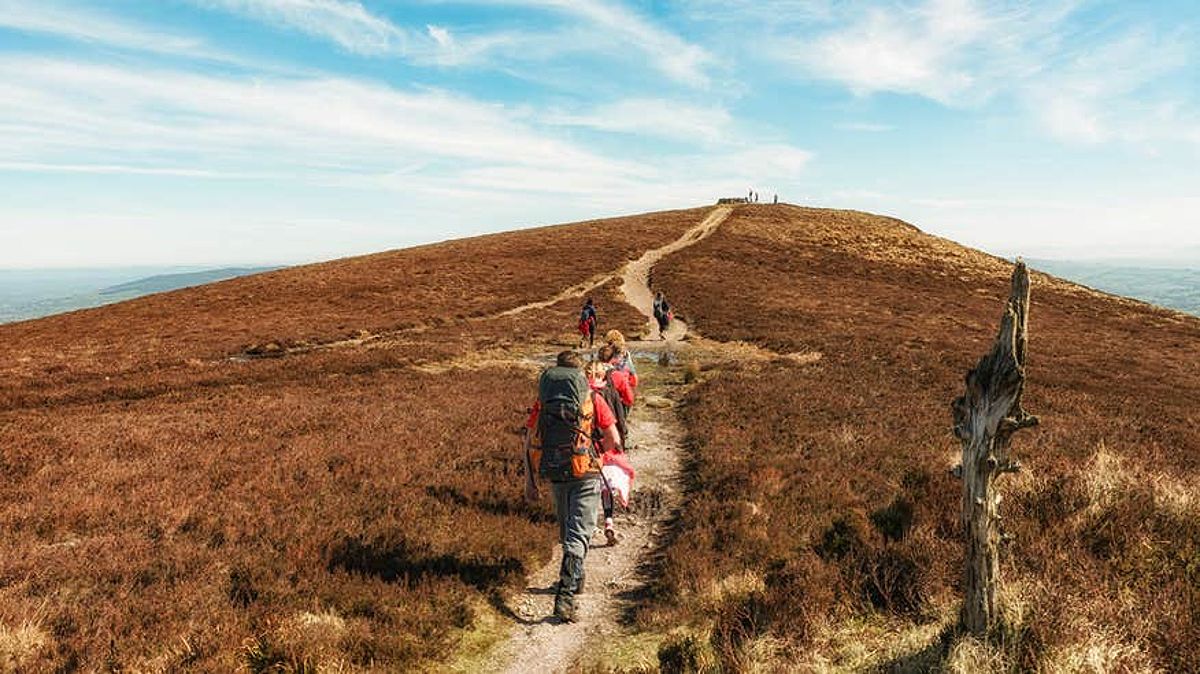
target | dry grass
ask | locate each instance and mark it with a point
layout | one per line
(846, 457)
(20, 646)
(351, 508)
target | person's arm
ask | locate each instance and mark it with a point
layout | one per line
(531, 488)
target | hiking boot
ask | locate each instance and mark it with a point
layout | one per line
(564, 608)
(610, 534)
(570, 582)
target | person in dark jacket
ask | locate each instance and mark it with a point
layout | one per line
(587, 324)
(662, 314)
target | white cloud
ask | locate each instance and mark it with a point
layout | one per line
(670, 54)
(762, 14)
(652, 117)
(75, 117)
(344, 22)
(135, 117)
(441, 36)
(1108, 92)
(866, 127)
(83, 25)
(1080, 86)
(915, 50)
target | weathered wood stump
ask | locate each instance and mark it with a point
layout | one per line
(985, 418)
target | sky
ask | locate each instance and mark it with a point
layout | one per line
(276, 131)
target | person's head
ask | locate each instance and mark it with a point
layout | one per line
(606, 353)
(658, 295)
(569, 359)
(589, 302)
(594, 371)
(616, 339)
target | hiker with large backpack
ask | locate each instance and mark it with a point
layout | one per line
(662, 314)
(587, 324)
(615, 471)
(566, 433)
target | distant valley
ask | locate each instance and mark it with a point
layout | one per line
(33, 293)
(1171, 285)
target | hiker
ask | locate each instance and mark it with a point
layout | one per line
(616, 475)
(617, 378)
(587, 324)
(560, 445)
(775, 199)
(623, 360)
(662, 314)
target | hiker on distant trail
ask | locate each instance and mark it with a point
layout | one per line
(775, 200)
(623, 360)
(560, 443)
(616, 475)
(662, 314)
(587, 324)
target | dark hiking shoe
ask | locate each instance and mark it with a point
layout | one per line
(610, 535)
(564, 607)
(570, 583)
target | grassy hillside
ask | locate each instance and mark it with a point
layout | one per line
(308, 466)
(822, 522)
(317, 465)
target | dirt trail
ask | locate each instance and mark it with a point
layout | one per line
(635, 277)
(635, 285)
(538, 643)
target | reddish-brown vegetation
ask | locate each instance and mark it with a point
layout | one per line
(824, 488)
(169, 504)
(406, 291)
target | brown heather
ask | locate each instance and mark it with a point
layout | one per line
(821, 526)
(172, 499)
(169, 503)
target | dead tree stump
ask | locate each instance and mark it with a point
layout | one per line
(985, 418)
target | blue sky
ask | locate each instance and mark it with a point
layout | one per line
(253, 131)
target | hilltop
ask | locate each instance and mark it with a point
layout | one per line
(318, 465)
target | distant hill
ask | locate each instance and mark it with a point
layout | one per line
(26, 294)
(1171, 286)
(164, 282)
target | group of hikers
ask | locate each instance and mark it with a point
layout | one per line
(576, 439)
(752, 197)
(589, 320)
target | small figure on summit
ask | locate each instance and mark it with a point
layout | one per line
(562, 432)
(662, 314)
(587, 324)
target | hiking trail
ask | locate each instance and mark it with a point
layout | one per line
(635, 277)
(615, 575)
